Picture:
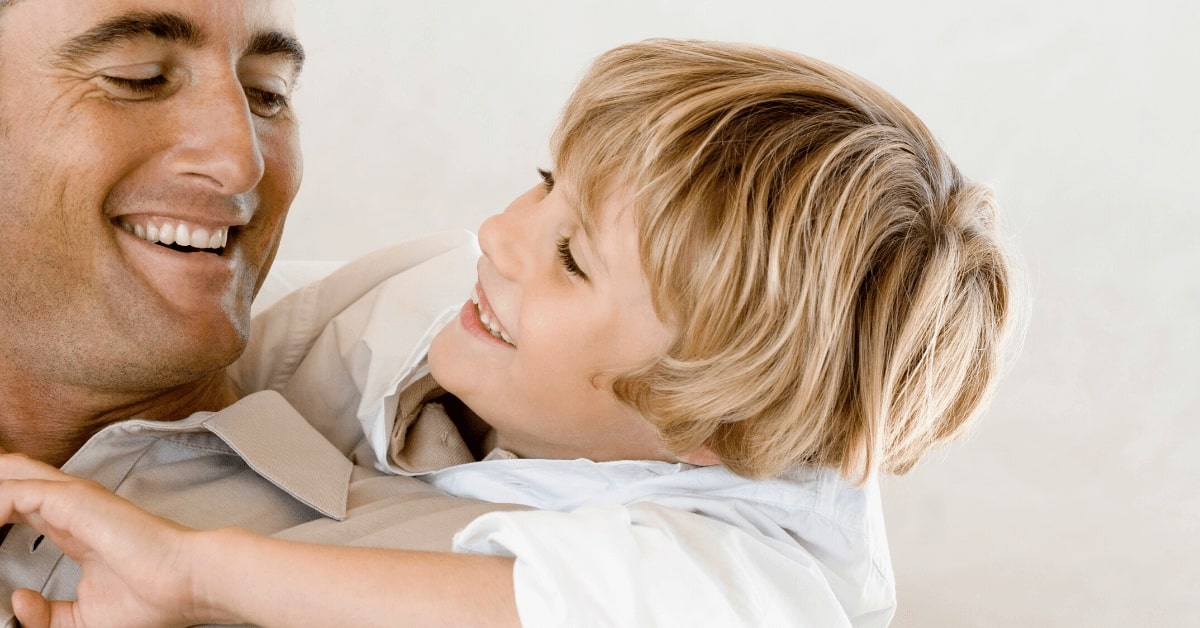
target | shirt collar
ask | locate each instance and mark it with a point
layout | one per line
(280, 445)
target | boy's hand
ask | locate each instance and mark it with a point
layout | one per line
(135, 567)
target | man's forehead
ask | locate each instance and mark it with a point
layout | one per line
(78, 31)
(222, 15)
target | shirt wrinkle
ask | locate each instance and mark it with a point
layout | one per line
(295, 352)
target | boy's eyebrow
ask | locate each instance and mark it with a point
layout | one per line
(169, 27)
(588, 221)
(589, 234)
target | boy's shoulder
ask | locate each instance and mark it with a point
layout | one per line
(807, 502)
(810, 522)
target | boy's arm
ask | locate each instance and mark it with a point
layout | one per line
(142, 570)
(269, 582)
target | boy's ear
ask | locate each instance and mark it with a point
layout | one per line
(701, 456)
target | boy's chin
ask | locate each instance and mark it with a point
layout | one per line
(440, 358)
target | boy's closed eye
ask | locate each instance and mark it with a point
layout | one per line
(563, 246)
(567, 259)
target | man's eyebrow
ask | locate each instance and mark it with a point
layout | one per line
(109, 33)
(170, 27)
(277, 43)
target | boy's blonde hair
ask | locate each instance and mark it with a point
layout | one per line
(836, 289)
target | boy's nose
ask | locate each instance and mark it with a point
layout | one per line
(500, 241)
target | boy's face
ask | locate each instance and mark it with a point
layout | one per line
(569, 307)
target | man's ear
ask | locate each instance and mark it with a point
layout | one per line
(701, 456)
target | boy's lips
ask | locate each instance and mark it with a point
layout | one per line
(491, 323)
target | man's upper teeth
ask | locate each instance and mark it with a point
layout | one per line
(182, 234)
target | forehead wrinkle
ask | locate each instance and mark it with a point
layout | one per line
(169, 27)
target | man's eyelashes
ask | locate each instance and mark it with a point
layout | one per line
(263, 103)
(140, 86)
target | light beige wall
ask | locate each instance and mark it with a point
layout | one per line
(1077, 501)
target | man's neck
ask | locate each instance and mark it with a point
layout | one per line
(51, 424)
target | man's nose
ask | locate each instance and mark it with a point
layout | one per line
(217, 140)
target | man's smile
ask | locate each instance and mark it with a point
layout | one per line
(176, 234)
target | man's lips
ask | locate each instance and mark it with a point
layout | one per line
(178, 234)
(187, 276)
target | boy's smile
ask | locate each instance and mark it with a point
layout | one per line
(481, 318)
(555, 312)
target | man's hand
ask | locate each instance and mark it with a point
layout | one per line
(136, 570)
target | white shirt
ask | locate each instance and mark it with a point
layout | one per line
(641, 543)
(629, 543)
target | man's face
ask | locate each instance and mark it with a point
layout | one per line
(126, 125)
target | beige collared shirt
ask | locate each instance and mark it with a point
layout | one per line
(258, 465)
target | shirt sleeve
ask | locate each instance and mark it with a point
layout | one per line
(650, 565)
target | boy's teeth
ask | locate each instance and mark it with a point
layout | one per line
(487, 320)
(487, 324)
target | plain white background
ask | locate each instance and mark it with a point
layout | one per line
(1076, 501)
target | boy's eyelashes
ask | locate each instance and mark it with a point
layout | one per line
(563, 246)
(547, 179)
(568, 260)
